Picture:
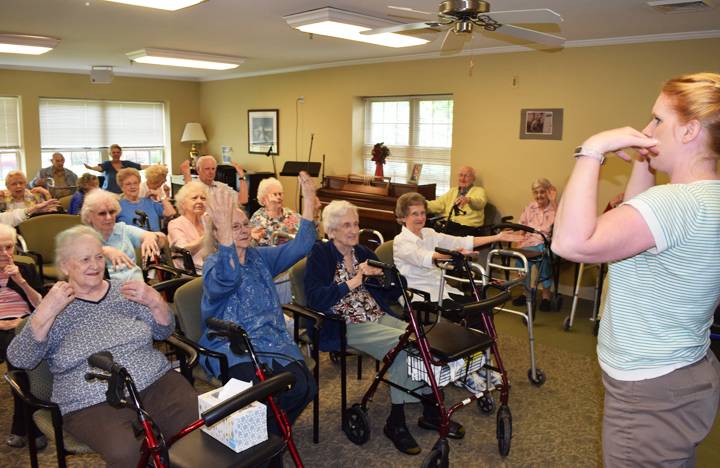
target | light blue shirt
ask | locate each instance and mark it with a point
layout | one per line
(660, 302)
(125, 238)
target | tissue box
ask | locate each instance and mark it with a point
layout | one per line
(242, 429)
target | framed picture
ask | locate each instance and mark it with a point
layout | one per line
(263, 136)
(541, 124)
(415, 174)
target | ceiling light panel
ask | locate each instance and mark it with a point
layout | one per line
(348, 25)
(25, 44)
(181, 58)
(170, 5)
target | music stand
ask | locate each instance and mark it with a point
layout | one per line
(293, 168)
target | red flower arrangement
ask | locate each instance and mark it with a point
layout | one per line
(380, 152)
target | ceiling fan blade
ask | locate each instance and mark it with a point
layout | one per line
(542, 15)
(409, 11)
(531, 35)
(454, 42)
(401, 27)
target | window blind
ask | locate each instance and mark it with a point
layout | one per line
(9, 123)
(76, 123)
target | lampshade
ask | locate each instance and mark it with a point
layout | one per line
(193, 133)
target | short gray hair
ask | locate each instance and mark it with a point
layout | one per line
(332, 213)
(8, 231)
(185, 191)
(264, 187)
(405, 201)
(201, 160)
(542, 182)
(66, 241)
(95, 198)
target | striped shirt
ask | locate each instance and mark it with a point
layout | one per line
(660, 303)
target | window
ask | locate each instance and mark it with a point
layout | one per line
(83, 131)
(416, 129)
(10, 147)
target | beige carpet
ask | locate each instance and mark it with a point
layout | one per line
(554, 425)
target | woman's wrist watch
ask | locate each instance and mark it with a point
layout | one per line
(592, 153)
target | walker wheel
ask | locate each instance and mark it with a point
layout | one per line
(566, 324)
(438, 456)
(357, 425)
(539, 377)
(486, 403)
(504, 429)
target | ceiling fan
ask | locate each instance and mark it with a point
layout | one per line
(461, 17)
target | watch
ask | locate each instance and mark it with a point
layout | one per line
(581, 151)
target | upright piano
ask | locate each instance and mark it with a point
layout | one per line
(375, 198)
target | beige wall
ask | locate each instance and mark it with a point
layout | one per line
(598, 88)
(180, 97)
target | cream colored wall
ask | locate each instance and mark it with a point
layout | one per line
(598, 88)
(180, 97)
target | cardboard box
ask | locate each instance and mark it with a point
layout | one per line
(242, 429)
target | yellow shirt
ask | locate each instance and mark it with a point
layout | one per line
(474, 211)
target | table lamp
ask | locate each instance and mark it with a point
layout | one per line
(194, 134)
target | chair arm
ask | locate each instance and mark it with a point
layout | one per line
(190, 352)
(221, 357)
(171, 285)
(17, 379)
(425, 295)
(315, 315)
(175, 272)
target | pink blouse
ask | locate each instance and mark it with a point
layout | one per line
(542, 219)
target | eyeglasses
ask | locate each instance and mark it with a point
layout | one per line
(106, 213)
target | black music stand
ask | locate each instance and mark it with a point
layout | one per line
(293, 168)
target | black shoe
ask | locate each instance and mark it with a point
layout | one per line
(455, 430)
(545, 305)
(520, 300)
(401, 437)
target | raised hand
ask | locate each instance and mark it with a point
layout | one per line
(44, 207)
(619, 140)
(221, 204)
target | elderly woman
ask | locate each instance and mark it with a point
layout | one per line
(154, 186)
(272, 224)
(187, 230)
(87, 314)
(336, 283)
(17, 194)
(539, 215)
(110, 168)
(86, 182)
(414, 248)
(662, 383)
(237, 286)
(130, 203)
(18, 297)
(119, 240)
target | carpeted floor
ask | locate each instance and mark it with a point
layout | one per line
(555, 425)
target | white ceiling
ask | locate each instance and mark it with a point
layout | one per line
(95, 32)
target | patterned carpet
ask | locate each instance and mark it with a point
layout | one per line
(556, 425)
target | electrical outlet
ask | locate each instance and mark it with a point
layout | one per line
(301, 99)
(515, 81)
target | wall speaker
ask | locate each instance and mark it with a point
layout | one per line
(101, 75)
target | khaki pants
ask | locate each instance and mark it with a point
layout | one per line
(659, 422)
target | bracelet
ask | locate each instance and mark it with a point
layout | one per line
(592, 153)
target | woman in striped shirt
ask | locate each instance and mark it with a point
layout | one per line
(18, 297)
(662, 384)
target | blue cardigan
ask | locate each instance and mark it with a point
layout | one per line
(323, 293)
(245, 294)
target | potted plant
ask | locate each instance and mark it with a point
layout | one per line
(380, 152)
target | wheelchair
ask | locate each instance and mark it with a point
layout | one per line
(438, 352)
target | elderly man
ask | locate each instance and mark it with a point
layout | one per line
(463, 205)
(65, 180)
(206, 167)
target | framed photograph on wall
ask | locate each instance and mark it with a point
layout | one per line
(263, 134)
(415, 174)
(541, 124)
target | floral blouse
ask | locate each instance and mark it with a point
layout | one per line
(358, 306)
(288, 222)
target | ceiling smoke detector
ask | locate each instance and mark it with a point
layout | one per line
(680, 6)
